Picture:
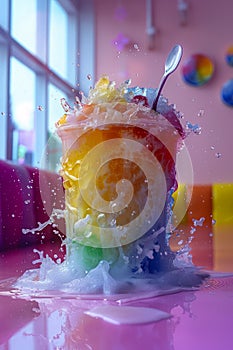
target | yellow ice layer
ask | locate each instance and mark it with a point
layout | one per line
(62, 120)
(105, 91)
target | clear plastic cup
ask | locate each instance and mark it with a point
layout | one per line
(118, 166)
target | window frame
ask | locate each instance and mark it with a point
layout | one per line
(81, 32)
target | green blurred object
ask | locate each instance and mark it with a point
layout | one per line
(91, 256)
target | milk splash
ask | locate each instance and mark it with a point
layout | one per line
(71, 277)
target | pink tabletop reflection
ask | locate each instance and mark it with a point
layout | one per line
(200, 319)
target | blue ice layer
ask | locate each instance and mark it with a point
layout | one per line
(151, 253)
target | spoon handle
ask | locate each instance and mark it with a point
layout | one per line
(161, 85)
(171, 64)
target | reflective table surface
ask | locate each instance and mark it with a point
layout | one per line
(198, 319)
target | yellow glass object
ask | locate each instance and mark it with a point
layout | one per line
(223, 203)
(180, 205)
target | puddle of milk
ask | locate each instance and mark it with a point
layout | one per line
(120, 315)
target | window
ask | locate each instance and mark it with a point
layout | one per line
(4, 13)
(58, 37)
(22, 107)
(24, 23)
(40, 45)
(3, 96)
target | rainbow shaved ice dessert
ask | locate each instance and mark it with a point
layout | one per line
(118, 168)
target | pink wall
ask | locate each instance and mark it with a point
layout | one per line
(209, 31)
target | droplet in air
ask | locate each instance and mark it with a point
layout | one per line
(40, 108)
(127, 82)
(83, 97)
(195, 128)
(3, 113)
(78, 103)
(180, 115)
(198, 222)
(136, 47)
(65, 105)
(192, 230)
(89, 76)
(218, 155)
(201, 113)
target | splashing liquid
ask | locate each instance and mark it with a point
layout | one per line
(118, 211)
(71, 277)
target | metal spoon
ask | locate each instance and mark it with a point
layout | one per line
(172, 62)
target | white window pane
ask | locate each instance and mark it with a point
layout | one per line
(24, 23)
(4, 13)
(3, 97)
(58, 38)
(22, 102)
